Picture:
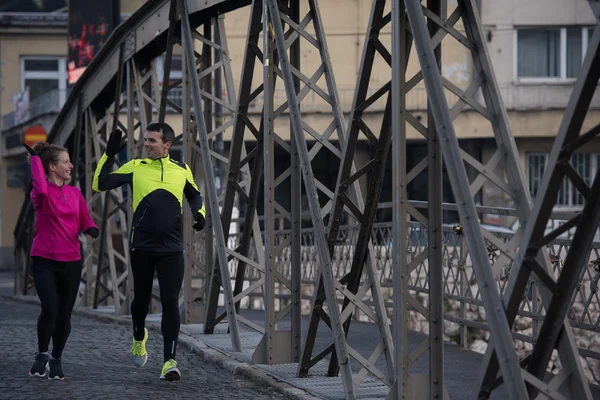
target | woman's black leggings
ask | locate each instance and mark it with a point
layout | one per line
(56, 283)
(169, 267)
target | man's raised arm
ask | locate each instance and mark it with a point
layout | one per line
(104, 177)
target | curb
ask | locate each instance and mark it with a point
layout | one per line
(213, 356)
(247, 371)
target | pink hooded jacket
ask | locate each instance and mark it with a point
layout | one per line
(61, 214)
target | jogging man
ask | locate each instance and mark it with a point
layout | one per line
(158, 184)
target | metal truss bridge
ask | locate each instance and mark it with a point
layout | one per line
(268, 259)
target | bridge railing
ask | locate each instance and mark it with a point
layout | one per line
(465, 319)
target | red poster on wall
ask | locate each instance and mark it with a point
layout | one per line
(90, 24)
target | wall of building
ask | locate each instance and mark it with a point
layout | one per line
(345, 23)
(129, 6)
(493, 196)
(533, 110)
(535, 12)
(11, 194)
(500, 21)
(15, 45)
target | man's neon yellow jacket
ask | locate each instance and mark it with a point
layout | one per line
(158, 187)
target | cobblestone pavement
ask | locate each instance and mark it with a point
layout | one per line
(96, 365)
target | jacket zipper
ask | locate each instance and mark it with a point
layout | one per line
(162, 170)
(62, 196)
(136, 225)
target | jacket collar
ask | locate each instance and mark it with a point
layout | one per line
(52, 184)
(161, 159)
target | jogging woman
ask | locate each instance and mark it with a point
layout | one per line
(61, 214)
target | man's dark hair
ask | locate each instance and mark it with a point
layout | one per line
(168, 135)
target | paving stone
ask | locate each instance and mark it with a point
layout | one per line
(97, 365)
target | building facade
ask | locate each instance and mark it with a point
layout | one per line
(33, 58)
(535, 54)
(537, 48)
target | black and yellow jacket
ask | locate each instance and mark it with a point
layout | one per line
(158, 187)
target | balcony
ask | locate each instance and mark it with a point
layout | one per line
(49, 102)
(541, 96)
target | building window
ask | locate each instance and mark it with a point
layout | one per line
(535, 165)
(551, 53)
(586, 165)
(44, 74)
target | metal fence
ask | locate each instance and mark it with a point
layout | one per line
(462, 298)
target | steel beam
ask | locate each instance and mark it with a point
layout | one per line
(211, 192)
(311, 189)
(242, 182)
(113, 283)
(187, 157)
(89, 198)
(79, 179)
(348, 194)
(431, 385)
(595, 5)
(23, 240)
(171, 33)
(189, 311)
(434, 231)
(276, 344)
(400, 38)
(271, 349)
(296, 210)
(298, 30)
(106, 248)
(560, 293)
(204, 73)
(279, 345)
(467, 212)
(110, 280)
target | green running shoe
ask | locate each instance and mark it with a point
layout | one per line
(138, 350)
(170, 372)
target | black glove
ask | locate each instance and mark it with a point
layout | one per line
(30, 150)
(114, 146)
(200, 222)
(93, 232)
